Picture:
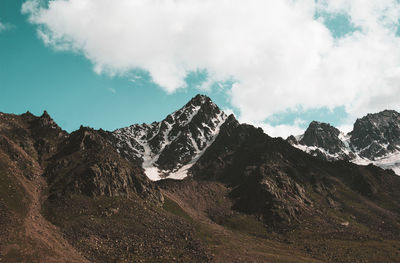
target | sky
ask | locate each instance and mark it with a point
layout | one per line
(274, 64)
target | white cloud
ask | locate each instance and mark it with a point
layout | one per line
(282, 130)
(346, 128)
(5, 26)
(112, 90)
(135, 78)
(281, 56)
(229, 111)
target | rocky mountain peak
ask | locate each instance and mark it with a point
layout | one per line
(378, 134)
(46, 117)
(200, 108)
(28, 115)
(43, 122)
(322, 135)
(375, 139)
(170, 147)
(200, 100)
(292, 140)
(45, 114)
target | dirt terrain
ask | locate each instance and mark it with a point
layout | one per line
(232, 237)
(45, 235)
(38, 240)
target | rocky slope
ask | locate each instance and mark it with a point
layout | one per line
(243, 196)
(26, 143)
(252, 164)
(374, 139)
(87, 164)
(274, 181)
(52, 185)
(306, 200)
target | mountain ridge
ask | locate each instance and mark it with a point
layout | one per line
(170, 147)
(375, 139)
(245, 197)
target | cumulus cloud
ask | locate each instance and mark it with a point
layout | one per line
(282, 130)
(279, 53)
(345, 128)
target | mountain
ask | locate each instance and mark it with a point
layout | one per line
(74, 198)
(242, 196)
(94, 168)
(270, 178)
(307, 200)
(377, 135)
(168, 149)
(374, 139)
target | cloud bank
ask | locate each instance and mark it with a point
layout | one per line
(281, 54)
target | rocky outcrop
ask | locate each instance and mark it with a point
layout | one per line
(376, 135)
(29, 140)
(87, 164)
(324, 136)
(374, 139)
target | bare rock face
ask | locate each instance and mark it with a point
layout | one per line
(168, 146)
(376, 135)
(374, 139)
(323, 135)
(29, 140)
(48, 136)
(87, 164)
(292, 140)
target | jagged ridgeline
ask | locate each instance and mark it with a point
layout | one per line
(197, 186)
(374, 139)
(169, 148)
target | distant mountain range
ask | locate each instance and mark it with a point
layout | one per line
(168, 149)
(374, 139)
(198, 186)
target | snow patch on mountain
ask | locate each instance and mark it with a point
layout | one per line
(390, 161)
(168, 149)
(387, 156)
(182, 172)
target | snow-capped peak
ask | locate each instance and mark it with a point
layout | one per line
(375, 139)
(169, 148)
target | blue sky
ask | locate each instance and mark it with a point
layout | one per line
(35, 75)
